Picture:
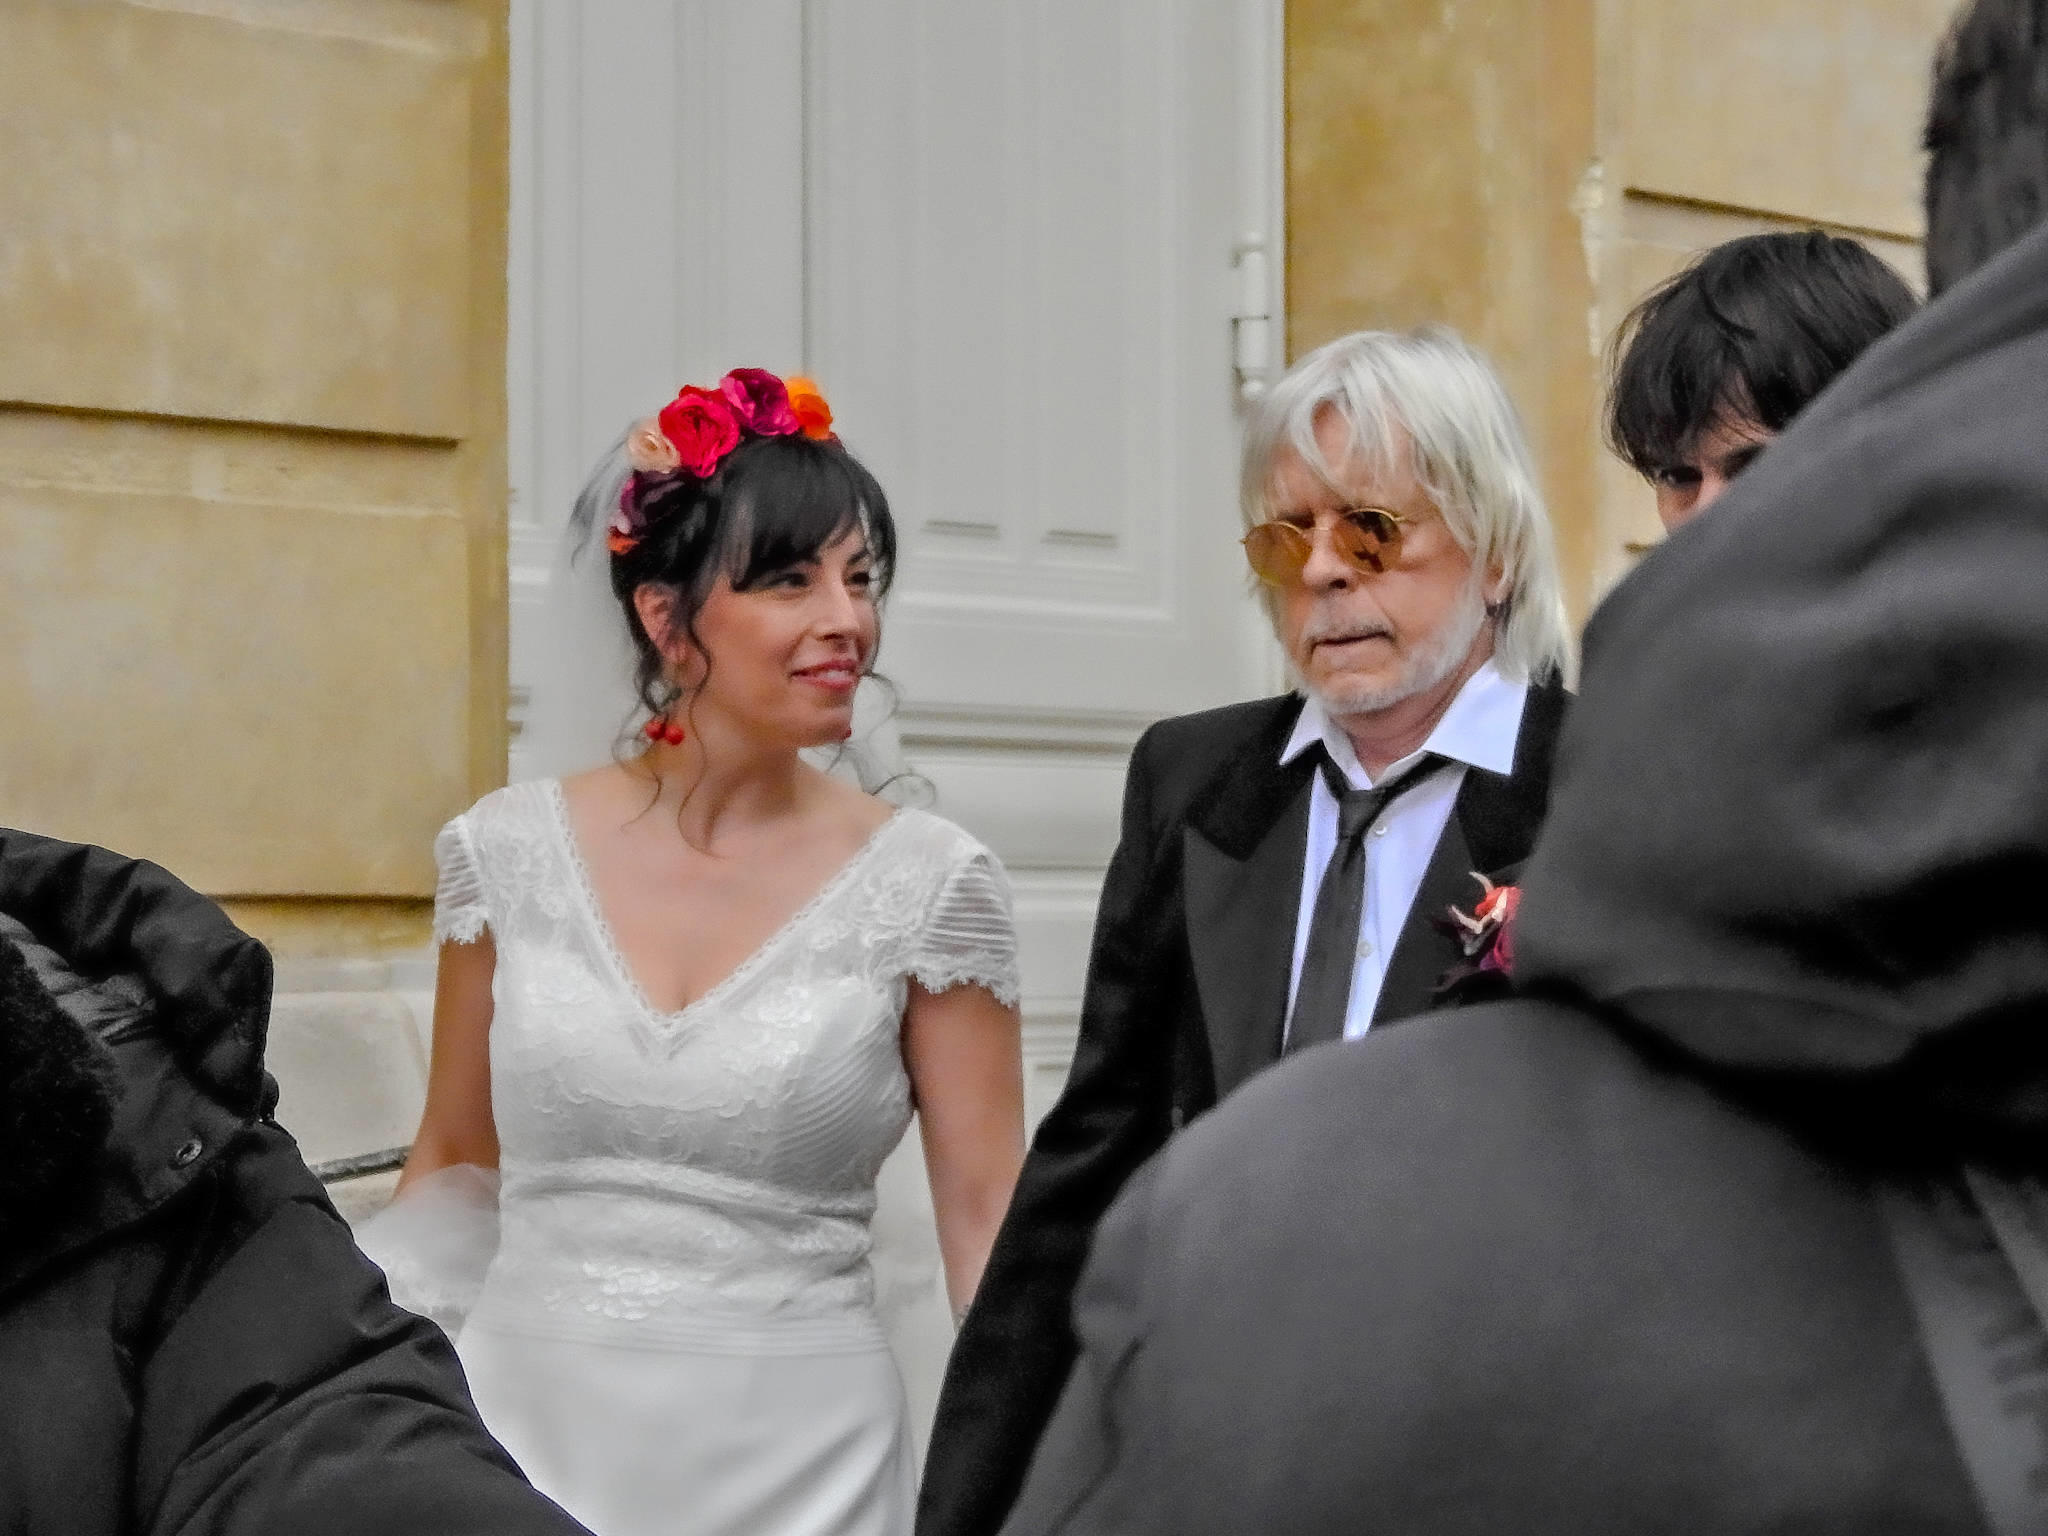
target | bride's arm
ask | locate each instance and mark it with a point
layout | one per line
(963, 1051)
(456, 1126)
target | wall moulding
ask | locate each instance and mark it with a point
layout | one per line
(1111, 732)
(248, 462)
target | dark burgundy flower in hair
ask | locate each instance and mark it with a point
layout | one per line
(760, 400)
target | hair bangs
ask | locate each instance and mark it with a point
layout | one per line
(789, 500)
(1752, 330)
(1683, 367)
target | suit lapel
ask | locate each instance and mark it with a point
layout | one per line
(1501, 816)
(1242, 850)
(1492, 828)
(1241, 919)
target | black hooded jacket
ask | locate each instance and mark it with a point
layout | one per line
(189, 1340)
(1611, 1256)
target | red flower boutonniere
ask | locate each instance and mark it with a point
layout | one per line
(1486, 936)
(1488, 931)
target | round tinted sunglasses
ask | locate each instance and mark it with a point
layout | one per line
(1365, 538)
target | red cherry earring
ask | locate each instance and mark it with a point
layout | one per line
(661, 728)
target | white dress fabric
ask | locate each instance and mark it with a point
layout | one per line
(677, 1332)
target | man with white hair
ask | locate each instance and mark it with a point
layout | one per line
(1288, 868)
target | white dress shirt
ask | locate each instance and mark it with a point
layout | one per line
(1479, 729)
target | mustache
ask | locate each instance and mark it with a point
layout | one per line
(1326, 627)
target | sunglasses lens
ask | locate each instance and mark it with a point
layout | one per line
(1276, 553)
(1366, 538)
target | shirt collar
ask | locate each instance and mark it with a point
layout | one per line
(1479, 729)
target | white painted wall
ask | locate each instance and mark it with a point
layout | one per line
(1004, 236)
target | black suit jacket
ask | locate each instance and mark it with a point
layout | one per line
(1186, 998)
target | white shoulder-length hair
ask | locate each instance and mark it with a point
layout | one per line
(1425, 403)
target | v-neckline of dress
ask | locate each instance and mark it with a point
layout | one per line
(667, 1022)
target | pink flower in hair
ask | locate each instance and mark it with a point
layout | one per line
(760, 400)
(702, 426)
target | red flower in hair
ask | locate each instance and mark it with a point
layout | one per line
(703, 426)
(760, 400)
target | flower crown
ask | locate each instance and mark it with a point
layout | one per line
(695, 432)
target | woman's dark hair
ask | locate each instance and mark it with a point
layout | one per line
(1752, 330)
(1986, 137)
(773, 503)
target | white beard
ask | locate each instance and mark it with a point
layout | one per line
(1429, 663)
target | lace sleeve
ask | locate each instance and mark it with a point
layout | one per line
(970, 934)
(459, 915)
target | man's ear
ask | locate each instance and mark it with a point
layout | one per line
(1497, 586)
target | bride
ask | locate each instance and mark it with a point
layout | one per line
(687, 1002)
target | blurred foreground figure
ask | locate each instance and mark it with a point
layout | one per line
(1717, 361)
(1714, 1229)
(189, 1340)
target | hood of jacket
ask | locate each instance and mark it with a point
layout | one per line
(1799, 832)
(132, 1021)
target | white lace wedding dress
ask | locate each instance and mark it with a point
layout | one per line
(677, 1331)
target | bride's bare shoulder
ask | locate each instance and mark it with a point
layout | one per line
(850, 805)
(606, 782)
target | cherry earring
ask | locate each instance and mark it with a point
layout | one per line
(660, 729)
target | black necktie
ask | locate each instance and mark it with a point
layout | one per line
(1324, 994)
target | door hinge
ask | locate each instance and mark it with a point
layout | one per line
(1251, 325)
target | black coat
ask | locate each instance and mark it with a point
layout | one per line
(1614, 1256)
(1185, 1000)
(189, 1340)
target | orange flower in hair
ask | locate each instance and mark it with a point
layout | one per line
(813, 415)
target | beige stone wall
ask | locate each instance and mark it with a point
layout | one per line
(1527, 169)
(1433, 152)
(252, 441)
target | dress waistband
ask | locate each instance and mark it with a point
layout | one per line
(503, 1310)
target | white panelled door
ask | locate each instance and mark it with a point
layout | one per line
(1023, 246)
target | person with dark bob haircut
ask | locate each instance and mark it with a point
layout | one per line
(1986, 137)
(687, 1001)
(1717, 361)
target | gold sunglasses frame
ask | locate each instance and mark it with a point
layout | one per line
(1362, 548)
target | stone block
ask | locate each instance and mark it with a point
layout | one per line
(1806, 108)
(248, 212)
(256, 683)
